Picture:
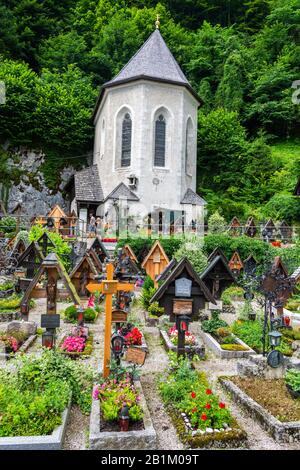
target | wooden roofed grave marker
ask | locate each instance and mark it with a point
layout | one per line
(286, 231)
(108, 287)
(236, 264)
(269, 231)
(53, 269)
(235, 228)
(250, 228)
(59, 219)
(155, 262)
(218, 276)
(83, 274)
(250, 265)
(45, 242)
(31, 259)
(129, 252)
(99, 249)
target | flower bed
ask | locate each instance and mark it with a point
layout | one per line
(218, 336)
(78, 344)
(200, 418)
(108, 399)
(133, 336)
(195, 349)
(13, 345)
(269, 402)
(227, 351)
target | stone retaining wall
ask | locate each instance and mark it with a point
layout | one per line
(281, 432)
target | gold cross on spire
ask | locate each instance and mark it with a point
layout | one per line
(157, 22)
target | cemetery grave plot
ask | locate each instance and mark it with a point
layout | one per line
(269, 402)
(108, 423)
(17, 338)
(182, 295)
(78, 343)
(201, 419)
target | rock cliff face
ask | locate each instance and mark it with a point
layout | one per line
(29, 188)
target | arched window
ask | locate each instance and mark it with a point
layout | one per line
(189, 144)
(126, 140)
(160, 141)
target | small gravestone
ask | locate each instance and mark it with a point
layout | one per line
(26, 328)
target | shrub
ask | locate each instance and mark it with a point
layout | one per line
(216, 223)
(292, 378)
(191, 249)
(148, 290)
(187, 391)
(62, 248)
(223, 332)
(90, 315)
(231, 292)
(11, 303)
(212, 325)
(71, 313)
(155, 310)
(7, 285)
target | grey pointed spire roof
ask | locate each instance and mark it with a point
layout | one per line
(190, 197)
(153, 59)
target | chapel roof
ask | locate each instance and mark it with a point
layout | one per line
(153, 61)
(88, 185)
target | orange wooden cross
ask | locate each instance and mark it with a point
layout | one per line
(108, 287)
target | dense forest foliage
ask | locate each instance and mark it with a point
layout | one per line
(241, 56)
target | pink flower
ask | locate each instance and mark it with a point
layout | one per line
(96, 393)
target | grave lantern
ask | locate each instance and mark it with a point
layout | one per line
(124, 418)
(80, 315)
(275, 338)
(183, 323)
(117, 345)
(24, 309)
(48, 339)
(252, 315)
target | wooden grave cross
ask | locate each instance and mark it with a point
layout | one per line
(108, 287)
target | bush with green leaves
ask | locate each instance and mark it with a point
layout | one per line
(216, 223)
(155, 310)
(62, 248)
(192, 249)
(8, 225)
(292, 379)
(231, 293)
(148, 290)
(71, 314)
(211, 326)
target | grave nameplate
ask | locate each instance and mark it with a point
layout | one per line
(183, 287)
(50, 321)
(135, 355)
(119, 316)
(182, 307)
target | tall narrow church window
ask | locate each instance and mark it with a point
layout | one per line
(126, 140)
(160, 141)
(189, 147)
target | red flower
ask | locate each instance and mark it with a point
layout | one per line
(208, 391)
(207, 406)
(194, 410)
(193, 395)
(222, 405)
(203, 417)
